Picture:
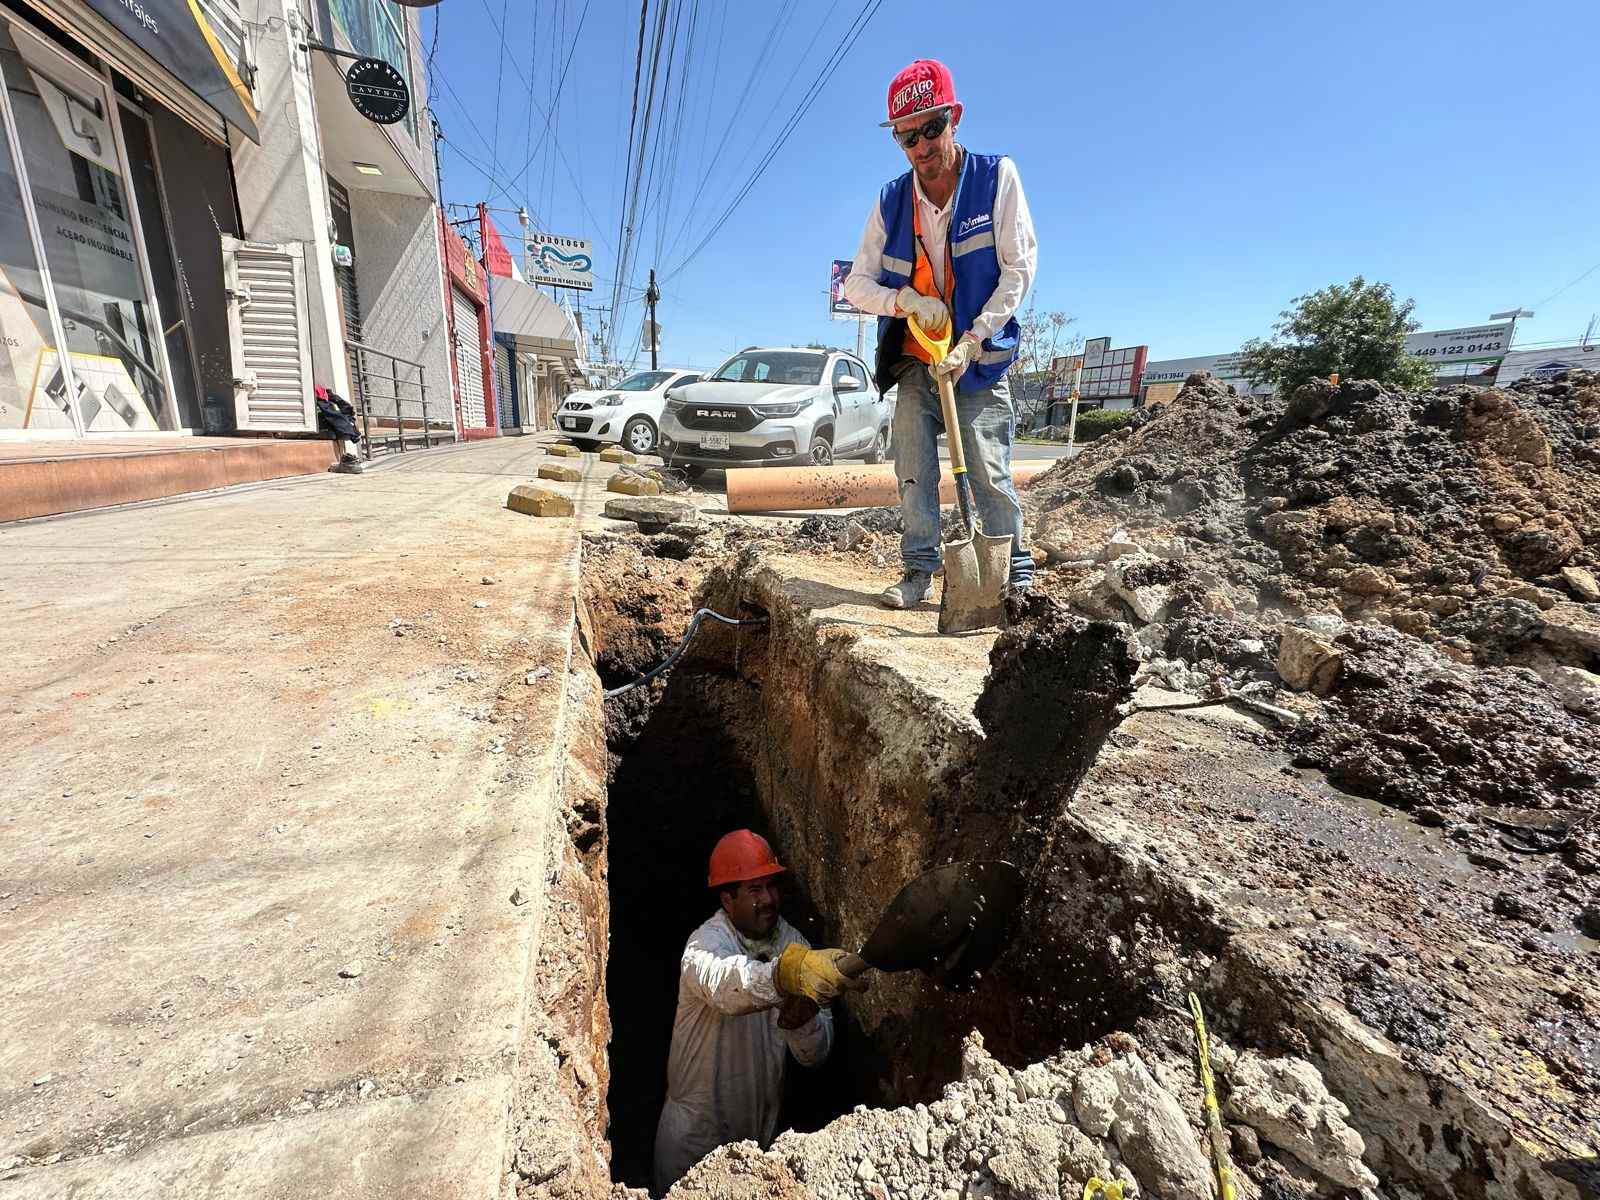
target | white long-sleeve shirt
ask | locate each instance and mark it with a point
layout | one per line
(725, 1071)
(1014, 245)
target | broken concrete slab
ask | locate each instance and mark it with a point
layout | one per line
(633, 485)
(538, 502)
(561, 451)
(559, 473)
(652, 514)
(615, 454)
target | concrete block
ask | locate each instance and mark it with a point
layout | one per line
(558, 472)
(616, 454)
(538, 502)
(561, 451)
(652, 515)
(633, 485)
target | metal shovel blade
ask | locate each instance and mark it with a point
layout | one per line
(977, 569)
(949, 921)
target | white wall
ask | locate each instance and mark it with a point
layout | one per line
(281, 183)
(397, 274)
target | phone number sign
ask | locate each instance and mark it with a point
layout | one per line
(1473, 343)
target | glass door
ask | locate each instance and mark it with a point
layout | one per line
(113, 379)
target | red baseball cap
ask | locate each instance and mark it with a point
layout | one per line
(922, 87)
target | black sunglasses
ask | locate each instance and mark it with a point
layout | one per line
(932, 129)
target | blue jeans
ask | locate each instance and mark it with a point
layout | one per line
(986, 428)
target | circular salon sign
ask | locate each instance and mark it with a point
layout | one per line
(378, 92)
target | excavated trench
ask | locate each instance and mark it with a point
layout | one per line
(1150, 882)
(733, 739)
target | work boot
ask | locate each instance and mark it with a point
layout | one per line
(914, 587)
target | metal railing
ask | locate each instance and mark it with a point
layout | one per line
(385, 385)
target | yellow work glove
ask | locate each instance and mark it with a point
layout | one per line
(813, 974)
(930, 311)
(961, 356)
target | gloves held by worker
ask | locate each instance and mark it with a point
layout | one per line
(959, 359)
(930, 311)
(813, 974)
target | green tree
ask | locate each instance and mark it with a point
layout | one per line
(1357, 329)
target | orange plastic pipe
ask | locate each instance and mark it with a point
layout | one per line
(785, 489)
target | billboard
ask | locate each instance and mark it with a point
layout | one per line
(1471, 343)
(559, 261)
(839, 308)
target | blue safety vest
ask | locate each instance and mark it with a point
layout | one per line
(972, 255)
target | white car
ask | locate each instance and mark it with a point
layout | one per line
(629, 413)
(778, 407)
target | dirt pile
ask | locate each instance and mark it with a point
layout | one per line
(1115, 1111)
(1422, 562)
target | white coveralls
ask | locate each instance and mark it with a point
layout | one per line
(725, 1072)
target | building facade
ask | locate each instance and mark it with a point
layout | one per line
(197, 228)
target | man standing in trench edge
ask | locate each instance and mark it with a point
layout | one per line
(950, 238)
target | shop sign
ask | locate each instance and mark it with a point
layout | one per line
(559, 261)
(180, 39)
(377, 91)
(463, 267)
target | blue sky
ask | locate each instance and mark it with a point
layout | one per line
(1190, 168)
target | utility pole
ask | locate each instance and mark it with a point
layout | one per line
(651, 295)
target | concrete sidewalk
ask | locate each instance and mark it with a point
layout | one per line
(277, 759)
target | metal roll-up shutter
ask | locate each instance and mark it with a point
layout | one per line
(502, 386)
(269, 335)
(469, 362)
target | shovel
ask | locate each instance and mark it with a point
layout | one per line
(949, 922)
(977, 568)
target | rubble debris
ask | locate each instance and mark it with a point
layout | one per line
(1306, 662)
(1044, 1131)
(559, 473)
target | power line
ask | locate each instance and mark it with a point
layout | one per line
(846, 44)
(1567, 288)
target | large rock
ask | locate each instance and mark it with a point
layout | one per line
(1144, 583)
(1155, 1137)
(560, 473)
(538, 501)
(1574, 627)
(1577, 689)
(616, 454)
(1311, 402)
(561, 451)
(1307, 663)
(652, 514)
(1581, 583)
(1285, 1101)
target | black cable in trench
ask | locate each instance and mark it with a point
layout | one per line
(694, 623)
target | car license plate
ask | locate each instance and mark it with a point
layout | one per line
(569, 422)
(714, 441)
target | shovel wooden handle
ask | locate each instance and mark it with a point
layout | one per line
(952, 427)
(958, 453)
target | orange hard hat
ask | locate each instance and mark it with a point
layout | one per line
(742, 855)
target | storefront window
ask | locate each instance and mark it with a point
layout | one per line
(378, 29)
(66, 139)
(29, 399)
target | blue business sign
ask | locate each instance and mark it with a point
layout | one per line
(560, 261)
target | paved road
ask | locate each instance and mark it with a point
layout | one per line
(254, 738)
